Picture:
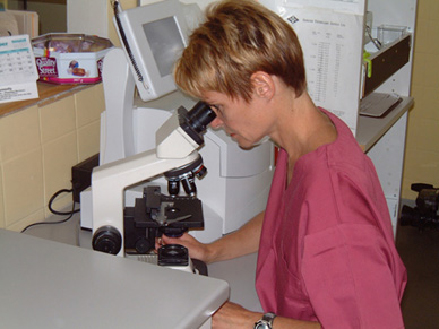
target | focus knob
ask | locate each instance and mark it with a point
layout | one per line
(107, 239)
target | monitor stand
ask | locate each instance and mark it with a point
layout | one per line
(117, 137)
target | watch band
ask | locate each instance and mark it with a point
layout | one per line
(266, 322)
(270, 318)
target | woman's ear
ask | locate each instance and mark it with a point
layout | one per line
(262, 84)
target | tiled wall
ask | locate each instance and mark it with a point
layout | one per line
(422, 149)
(38, 147)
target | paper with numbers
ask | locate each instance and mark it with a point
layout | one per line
(18, 73)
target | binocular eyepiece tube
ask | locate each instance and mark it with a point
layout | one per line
(195, 122)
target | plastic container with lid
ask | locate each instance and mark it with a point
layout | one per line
(70, 58)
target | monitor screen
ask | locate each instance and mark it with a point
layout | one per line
(166, 43)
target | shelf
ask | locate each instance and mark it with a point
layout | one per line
(386, 62)
(370, 130)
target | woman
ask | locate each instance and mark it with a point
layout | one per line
(326, 249)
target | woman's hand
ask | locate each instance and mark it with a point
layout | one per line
(232, 315)
(197, 250)
(232, 245)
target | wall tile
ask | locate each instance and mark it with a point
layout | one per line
(19, 133)
(423, 10)
(427, 30)
(415, 114)
(58, 118)
(426, 103)
(23, 186)
(421, 157)
(59, 156)
(89, 105)
(423, 135)
(89, 140)
(433, 13)
(2, 207)
(426, 70)
(433, 34)
(421, 166)
(410, 141)
(36, 217)
(422, 40)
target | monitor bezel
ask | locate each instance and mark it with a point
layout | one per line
(132, 21)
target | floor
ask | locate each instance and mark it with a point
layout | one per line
(419, 251)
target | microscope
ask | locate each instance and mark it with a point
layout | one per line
(144, 141)
(134, 229)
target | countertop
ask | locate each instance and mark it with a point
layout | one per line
(47, 93)
(47, 284)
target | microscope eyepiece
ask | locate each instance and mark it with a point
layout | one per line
(200, 116)
(195, 121)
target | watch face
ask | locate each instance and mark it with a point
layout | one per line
(262, 324)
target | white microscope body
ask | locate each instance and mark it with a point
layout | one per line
(175, 148)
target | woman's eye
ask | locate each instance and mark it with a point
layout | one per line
(216, 108)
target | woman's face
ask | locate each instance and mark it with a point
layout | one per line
(246, 123)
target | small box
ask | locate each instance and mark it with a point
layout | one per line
(82, 175)
(70, 58)
(390, 33)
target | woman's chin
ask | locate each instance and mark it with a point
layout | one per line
(246, 145)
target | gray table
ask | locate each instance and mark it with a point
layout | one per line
(46, 284)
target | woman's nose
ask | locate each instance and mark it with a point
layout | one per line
(217, 123)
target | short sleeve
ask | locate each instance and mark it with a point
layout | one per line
(346, 273)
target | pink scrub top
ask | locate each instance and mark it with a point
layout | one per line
(327, 250)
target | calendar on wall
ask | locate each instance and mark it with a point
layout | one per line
(18, 73)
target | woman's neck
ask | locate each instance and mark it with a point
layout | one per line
(303, 129)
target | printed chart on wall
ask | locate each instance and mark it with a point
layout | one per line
(355, 7)
(332, 46)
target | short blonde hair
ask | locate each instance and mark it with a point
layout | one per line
(238, 38)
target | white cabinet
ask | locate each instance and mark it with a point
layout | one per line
(386, 148)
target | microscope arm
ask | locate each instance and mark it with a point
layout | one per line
(110, 181)
(177, 140)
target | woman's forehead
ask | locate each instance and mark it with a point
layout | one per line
(213, 97)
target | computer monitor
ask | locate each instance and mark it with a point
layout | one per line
(153, 37)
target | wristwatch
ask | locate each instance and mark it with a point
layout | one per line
(266, 322)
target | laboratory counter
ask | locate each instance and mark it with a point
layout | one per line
(46, 93)
(51, 278)
(47, 284)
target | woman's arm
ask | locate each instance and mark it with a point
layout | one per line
(232, 315)
(239, 243)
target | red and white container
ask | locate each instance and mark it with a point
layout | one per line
(70, 58)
